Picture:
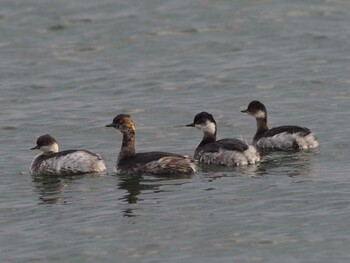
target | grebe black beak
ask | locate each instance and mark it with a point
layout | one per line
(111, 125)
(35, 147)
(190, 125)
(244, 111)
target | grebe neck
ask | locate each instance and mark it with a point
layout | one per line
(208, 138)
(128, 145)
(261, 127)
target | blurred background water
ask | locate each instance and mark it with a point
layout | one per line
(68, 67)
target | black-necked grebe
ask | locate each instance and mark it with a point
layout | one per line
(229, 152)
(53, 162)
(278, 138)
(158, 163)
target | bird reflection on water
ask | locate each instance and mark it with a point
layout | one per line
(51, 188)
(291, 164)
(139, 184)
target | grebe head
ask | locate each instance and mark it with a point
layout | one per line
(204, 122)
(122, 122)
(47, 144)
(256, 109)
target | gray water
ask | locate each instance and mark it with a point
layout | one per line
(68, 67)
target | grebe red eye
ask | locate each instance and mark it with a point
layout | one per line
(120, 121)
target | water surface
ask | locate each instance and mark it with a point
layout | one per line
(68, 67)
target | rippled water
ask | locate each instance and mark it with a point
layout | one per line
(68, 67)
